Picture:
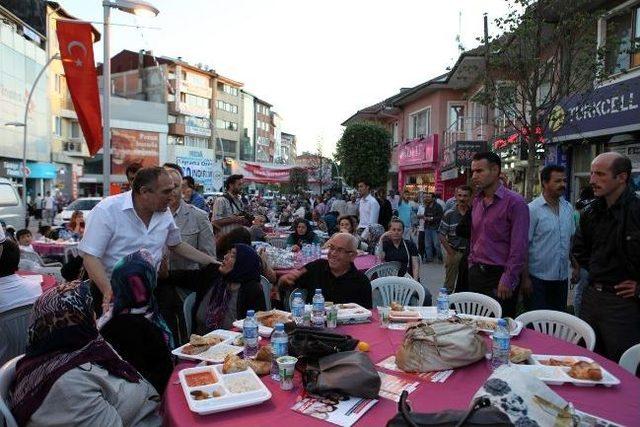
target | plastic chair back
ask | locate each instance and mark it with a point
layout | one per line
(475, 304)
(266, 288)
(385, 269)
(560, 325)
(187, 307)
(399, 289)
(631, 359)
(7, 374)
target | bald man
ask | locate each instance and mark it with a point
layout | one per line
(607, 244)
(337, 276)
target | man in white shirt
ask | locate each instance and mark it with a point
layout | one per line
(15, 291)
(49, 208)
(369, 206)
(128, 222)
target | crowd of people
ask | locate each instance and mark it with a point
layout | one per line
(107, 333)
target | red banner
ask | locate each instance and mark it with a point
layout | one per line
(76, 50)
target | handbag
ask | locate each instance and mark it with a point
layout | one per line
(439, 346)
(482, 413)
(312, 344)
(349, 372)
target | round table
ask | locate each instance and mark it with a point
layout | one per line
(48, 280)
(64, 249)
(620, 404)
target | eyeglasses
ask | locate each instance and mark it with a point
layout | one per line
(339, 250)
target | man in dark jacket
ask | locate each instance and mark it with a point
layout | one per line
(386, 211)
(607, 244)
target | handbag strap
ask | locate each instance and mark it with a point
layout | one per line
(405, 409)
(481, 402)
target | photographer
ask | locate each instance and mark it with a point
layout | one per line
(228, 212)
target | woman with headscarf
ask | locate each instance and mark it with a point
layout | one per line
(135, 328)
(228, 290)
(302, 235)
(70, 375)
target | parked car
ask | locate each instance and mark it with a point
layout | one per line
(84, 204)
(12, 212)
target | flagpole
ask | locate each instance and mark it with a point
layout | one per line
(106, 105)
(24, 139)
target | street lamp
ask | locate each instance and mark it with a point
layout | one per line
(135, 7)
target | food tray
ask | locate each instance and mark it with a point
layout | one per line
(215, 353)
(514, 332)
(561, 375)
(426, 313)
(263, 331)
(349, 313)
(224, 384)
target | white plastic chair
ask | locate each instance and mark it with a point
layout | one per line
(385, 269)
(7, 374)
(187, 307)
(631, 359)
(475, 304)
(14, 332)
(399, 289)
(560, 325)
(266, 288)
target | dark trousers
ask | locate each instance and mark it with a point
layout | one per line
(547, 294)
(615, 320)
(484, 280)
(421, 244)
(170, 307)
(462, 284)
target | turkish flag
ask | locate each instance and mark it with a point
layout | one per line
(75, 40)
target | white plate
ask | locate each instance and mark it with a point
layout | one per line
(229, 399)
(355, 313)
(514, 332)
(263, 331)
(427, 313)
(608, 379)
(213, 354)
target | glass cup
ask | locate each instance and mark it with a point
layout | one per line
(383, 313)
(286, 369)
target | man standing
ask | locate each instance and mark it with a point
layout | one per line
(227, 209)
(190, 194)
(405, 212)
(369, 207)
(39, 204)
(499, 234)
(351, 207)
(607, 244)
(545, 279)
(49, 208)
(455, 246)
(386, 211)
(339, 205)
(394, 199)
(130, 221)
(432, 216)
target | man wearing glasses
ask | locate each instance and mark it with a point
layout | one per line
(337, 276)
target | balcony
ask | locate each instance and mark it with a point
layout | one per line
(176, 129)
(464, 129)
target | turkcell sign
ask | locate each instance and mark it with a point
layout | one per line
(610, 109)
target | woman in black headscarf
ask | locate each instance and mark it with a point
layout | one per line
(302, 235)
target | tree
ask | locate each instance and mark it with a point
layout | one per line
(298, 180)
(363, 153)
(547, 51)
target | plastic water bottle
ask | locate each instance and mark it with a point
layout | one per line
(501, 345)
(317, 310)
(280, 347)
(442, 304)
(250, 335)
(297, 308)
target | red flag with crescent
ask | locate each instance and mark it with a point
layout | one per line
(75, 40)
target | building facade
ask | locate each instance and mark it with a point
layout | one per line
(265, 144)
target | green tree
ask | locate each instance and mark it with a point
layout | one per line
(298, 180)
(363, 153)
(547, 51)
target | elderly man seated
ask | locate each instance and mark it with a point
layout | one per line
(337, 276)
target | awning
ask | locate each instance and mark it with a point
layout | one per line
(42, 170)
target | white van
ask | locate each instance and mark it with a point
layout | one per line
(12, 212)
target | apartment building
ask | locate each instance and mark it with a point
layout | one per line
(265, 144)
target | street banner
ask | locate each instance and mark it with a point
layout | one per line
(75, 40)
(133, 146)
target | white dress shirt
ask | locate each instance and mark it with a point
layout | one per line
(369, 210)
(114, 230)
(16, 291)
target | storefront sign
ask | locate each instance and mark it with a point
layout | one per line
(129, 146)
(632, 151)
(185, 108)
(609, 109)
(197, 163)
(197, 126)
(449, 174)
(418, 151)
(465, 150)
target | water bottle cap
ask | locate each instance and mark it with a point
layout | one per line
(443, 290)
(297, 294)
(250, 313)
(279, 326)
(502, 322)
(318, 291)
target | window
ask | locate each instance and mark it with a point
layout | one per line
(197, 79)
(623, 41)
(420, 124)
(194, 100)
(230, 90)
(456, 118)
(196, 141)
(75, 130)
(227, 125)
(225, 106)
(57, 126)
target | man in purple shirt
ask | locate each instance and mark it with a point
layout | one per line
(499, 235)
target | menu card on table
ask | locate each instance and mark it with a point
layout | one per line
(340, 412)
(435, 377)
(391, 386)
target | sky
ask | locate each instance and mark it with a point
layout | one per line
(316, 62)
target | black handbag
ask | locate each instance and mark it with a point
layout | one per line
(482, 413)
(349, 373)
(311, 344)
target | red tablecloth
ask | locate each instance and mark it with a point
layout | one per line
(362, 263)
(48, 281)
(620, 404)
(49, 248)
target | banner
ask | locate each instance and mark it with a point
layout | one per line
(133, 146)
(198, 164)
(76, 50)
